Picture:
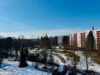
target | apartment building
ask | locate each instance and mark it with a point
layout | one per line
(79, 39)
(73, 39)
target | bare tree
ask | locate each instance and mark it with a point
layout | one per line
(74, 61)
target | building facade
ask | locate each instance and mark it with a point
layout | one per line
(79, 39)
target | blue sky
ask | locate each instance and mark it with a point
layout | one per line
(54, 17)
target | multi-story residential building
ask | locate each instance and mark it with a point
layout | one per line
(98, 39)
(76, 40)
(79, 39)
(73, 39)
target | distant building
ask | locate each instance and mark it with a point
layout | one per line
(73, 40)
(79, 39)
(76, 40)
(60, 41)
(98, 38)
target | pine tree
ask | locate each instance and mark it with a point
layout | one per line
(89, 46)
(23, 57)
(65, 41)
(1, 46)
(90, 41)
(45, 44)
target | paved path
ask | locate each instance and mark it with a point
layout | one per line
(62, 69)
(61, 58)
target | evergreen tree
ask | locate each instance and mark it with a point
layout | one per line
(1, 59)
(90, 41)
(55, 41)
(23, 57)
(45, 44)
(89, 46)
(65, 41)
(8, 45)
(16, 46)
(1, 54)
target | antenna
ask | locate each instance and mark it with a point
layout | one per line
(92, 27)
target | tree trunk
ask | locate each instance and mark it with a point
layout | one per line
(86, 61)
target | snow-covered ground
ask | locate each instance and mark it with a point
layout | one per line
(11, 68)
(82, 64)
(58, 61)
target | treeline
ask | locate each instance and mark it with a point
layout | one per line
(9, 44)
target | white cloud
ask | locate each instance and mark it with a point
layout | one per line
(39, 33)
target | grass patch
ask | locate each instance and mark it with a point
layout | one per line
(68, 54)
(94, 55)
